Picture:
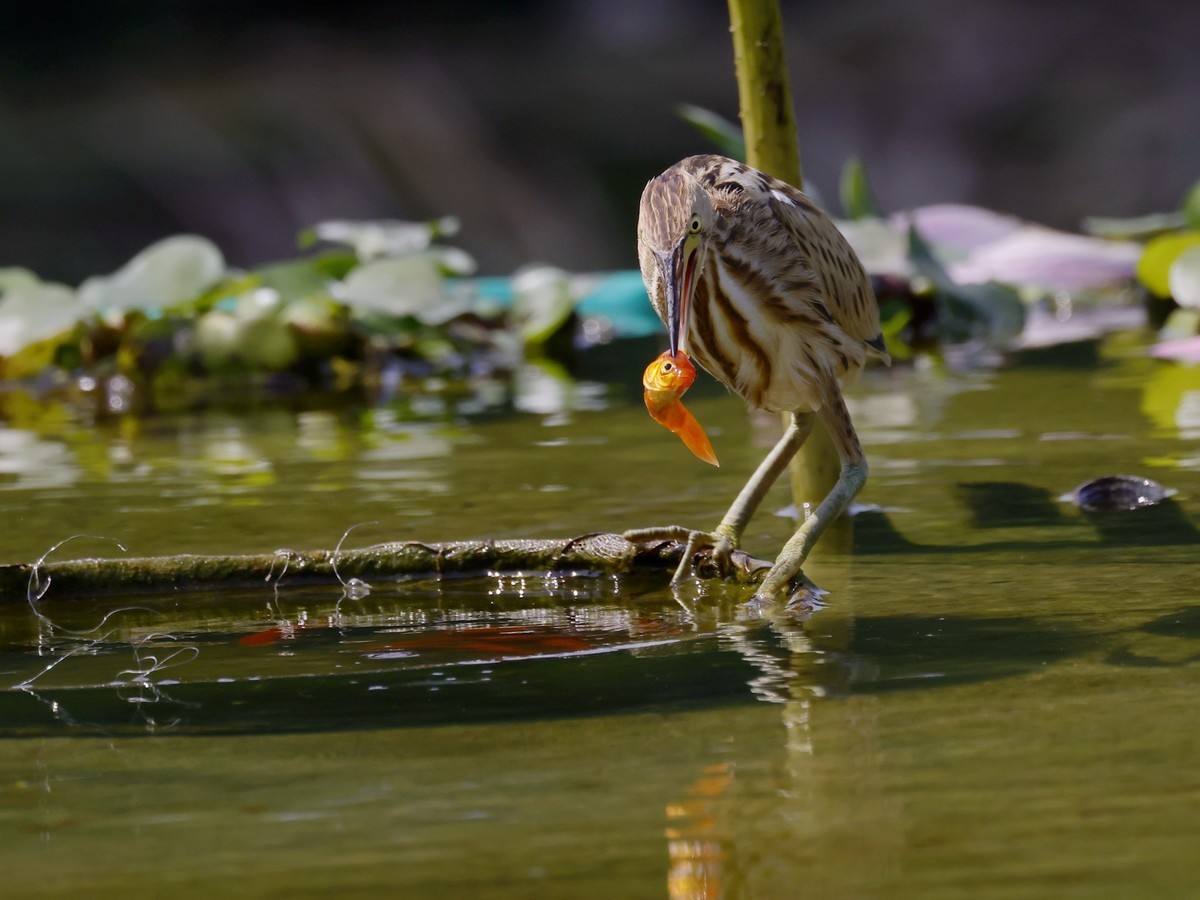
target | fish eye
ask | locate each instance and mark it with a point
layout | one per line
(666, 367)
(694, 225)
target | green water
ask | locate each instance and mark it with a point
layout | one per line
(998, 699)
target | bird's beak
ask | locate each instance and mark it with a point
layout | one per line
(681, 271)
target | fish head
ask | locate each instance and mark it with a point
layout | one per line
(669, 374)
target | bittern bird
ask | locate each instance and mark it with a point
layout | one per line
(757, 284)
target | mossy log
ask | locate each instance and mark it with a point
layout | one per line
(597, 554)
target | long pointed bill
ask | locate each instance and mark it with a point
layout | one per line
(681, 281)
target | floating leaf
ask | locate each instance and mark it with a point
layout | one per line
(168, 272)
(222, 294)
(17, 277)
(1182, 349)
(1181, 323)
(215, 339)
(259, 303)
(400, 287)
(881, 248)
(412, 286)
(1154, 268)
(1135, 227)
(1184, 278)
(724, 135)
(1049, 260)
(1171, 394)
(458, 300)
(31, 313)
(310, 313)
(298, 278)
(453, 261)
(957, 228)
(382, 238)
(542, 302)
(857, 198)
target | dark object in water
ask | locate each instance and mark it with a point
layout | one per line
(1112, 493)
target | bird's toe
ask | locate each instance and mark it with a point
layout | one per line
(722, 554)
(800, 592)
(696, 541)
(722, 547)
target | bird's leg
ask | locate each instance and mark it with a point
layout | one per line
(850, 481)
(726, 537)
(729, 533)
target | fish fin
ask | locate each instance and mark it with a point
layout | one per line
(694, 438)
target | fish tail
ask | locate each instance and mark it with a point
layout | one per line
(693, 436)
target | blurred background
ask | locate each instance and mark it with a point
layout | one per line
(537, 123)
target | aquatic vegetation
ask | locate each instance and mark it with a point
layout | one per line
(379, 309)
(176, 326)
(1168, 270)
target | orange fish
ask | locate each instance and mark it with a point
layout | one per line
(666, 380)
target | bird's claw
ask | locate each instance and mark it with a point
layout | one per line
(801, 593)
(722, 546)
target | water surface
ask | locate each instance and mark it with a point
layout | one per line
(998, 698)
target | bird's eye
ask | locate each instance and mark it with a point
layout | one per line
(694, 225)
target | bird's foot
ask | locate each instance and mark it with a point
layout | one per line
(801, 593)
(721, 544)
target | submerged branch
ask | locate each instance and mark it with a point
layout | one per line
(599, 554)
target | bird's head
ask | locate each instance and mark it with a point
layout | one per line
(674, 224)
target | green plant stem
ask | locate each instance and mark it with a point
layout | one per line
(764, 94)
